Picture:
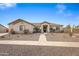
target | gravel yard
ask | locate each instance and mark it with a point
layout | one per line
(63, 37)
(29, 50)
(27, 37)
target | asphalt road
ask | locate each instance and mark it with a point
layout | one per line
(31, 50)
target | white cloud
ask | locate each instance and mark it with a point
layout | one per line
(7, 5)
(61, 8)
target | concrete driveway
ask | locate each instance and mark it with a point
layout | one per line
(1, 34)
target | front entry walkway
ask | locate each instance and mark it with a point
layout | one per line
(42, 42)
(42, 38)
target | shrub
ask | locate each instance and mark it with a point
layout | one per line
(70, 34)
(62, 31)
(12, 31)
(7, 30)
(51, 29)
(2, 36)
(26, 31)
(36, 30)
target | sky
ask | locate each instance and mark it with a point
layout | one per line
(59, 13)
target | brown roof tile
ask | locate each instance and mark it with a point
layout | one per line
(18, 20)
(34, 24)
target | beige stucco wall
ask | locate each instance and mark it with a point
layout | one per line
(15, 27)
(54, 27)
(30, 27)
(2, 29)
(51, 26)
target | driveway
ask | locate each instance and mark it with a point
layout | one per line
(1, 34)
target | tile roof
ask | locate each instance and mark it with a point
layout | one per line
(3, 26)
(34, 24)
(20, 20)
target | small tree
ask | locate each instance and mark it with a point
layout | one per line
(36, 29)
(71, 30)
(77, 27)
(68, 27)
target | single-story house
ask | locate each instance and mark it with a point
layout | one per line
(3, 29)
(20, 25)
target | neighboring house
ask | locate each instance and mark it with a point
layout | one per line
(3, 29)
(20, 25)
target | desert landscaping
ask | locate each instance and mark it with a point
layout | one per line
(62, 37)
(35, 50)
(26, 37)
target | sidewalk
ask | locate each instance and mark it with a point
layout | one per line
(42, 38)
(61, 44)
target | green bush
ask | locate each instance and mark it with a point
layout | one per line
(26, 31)
(36, 30)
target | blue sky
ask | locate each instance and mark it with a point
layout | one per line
(60, 13)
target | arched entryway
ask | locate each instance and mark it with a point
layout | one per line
(45, 27)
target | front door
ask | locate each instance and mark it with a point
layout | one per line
(44, 28)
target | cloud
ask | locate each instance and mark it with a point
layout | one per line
(61, 8)
(7, 5)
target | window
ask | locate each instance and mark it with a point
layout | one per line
(21, 28)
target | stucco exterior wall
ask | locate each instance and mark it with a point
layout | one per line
(19, 26)
(15, 27)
